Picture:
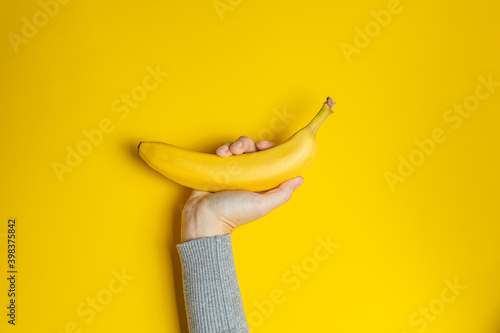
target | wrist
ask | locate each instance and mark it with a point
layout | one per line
(203, 228)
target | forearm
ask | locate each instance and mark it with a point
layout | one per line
(211, 290)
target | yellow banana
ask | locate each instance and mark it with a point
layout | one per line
(257, 171)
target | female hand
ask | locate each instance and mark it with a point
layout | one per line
(208, 214)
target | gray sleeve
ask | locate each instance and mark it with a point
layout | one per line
(211, 290)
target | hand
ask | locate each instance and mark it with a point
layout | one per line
(208, 214)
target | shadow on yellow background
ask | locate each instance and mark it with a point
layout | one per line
(395, 229)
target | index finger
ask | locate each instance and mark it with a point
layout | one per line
(245, 145)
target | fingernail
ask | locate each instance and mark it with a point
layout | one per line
(265, 141)
(237, 144)
(223, 148)
(299, 183)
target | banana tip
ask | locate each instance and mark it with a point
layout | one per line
(139, 147)
(330, 102)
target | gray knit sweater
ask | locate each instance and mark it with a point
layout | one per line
(211, 290)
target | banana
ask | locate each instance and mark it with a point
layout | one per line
(257, 171)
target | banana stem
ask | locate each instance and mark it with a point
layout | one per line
(320, 117)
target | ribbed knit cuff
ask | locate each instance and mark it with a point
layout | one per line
(211, 290)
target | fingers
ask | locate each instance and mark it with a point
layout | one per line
(274, 198)
(242, 145)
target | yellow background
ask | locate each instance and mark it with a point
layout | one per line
(228, 74)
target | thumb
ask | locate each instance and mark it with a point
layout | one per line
(276, 197)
